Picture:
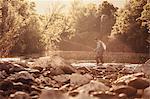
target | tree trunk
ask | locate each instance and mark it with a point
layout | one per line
(4, 17)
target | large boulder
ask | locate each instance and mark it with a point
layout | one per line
(16, 68)
(57, 64)
(146, 68)
(5, 66)
(123, 80)
(52, 94)
(146, 94)
(6, 85)
(62, 64)
(93, 86)
(62, 78)
(23, 76)
(139, 83)
(10, 67)
(78, 79)
(83, 70)
(128, 90)
(46, 81)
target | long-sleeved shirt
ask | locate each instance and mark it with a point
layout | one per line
(101, 47)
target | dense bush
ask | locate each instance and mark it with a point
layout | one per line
(89, 21)
(128, 30)
(23, 31)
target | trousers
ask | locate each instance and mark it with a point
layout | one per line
(99, 58)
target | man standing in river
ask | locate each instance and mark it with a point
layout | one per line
(99, 50)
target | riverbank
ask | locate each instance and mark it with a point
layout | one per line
(55, 78)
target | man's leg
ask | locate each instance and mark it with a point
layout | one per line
(101, 58)
(97, 60)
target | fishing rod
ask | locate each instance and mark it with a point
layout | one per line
(89, 47)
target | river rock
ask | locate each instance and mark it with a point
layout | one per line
(93, 86)
(139, 83)
(123, 80)
(23, 76)
(3, 75)
(73, 93)
(78, 79)
(146, 68)
(105, 95)
(6, 85)
(21, 87)
(5, 66)
(16, 68)
(146, 94)
(20, 95)
(52, 94)
(83, 70)
(84, 96)
(122, 96)
(62, 78)
(110, 68)
(56, 71)
(128, 90)
(62, 64)
(38, 68)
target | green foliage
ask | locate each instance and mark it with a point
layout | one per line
(20, 28)
(107, 17)
(25, 32)
(30, 40)
(88, 24)
(57, 25)
(145, 18)
(88, 17)
(11, 23)
(128, 29)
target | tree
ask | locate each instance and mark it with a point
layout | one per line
(106, 18)
(57, 25)
(127, 28)
(15, 23)
(145, 18)
(87, 23)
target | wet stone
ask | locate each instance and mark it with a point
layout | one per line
(105, 95)
(128, 90)
(83, 70)
(3, 75)
(20, 95)
(56, 71)
(73, 93)
(62, 78)
(37, 68)
(6, 85)
(124, 79)
(139, 83)
(16, 68)
(146, 94)
(52, 94)
(93, 86)
(122, 96)
(23, 76)
(78, 79)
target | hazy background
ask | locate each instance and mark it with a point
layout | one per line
(42, 6)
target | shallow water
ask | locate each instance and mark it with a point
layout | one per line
(105, 64)
(10, 59)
